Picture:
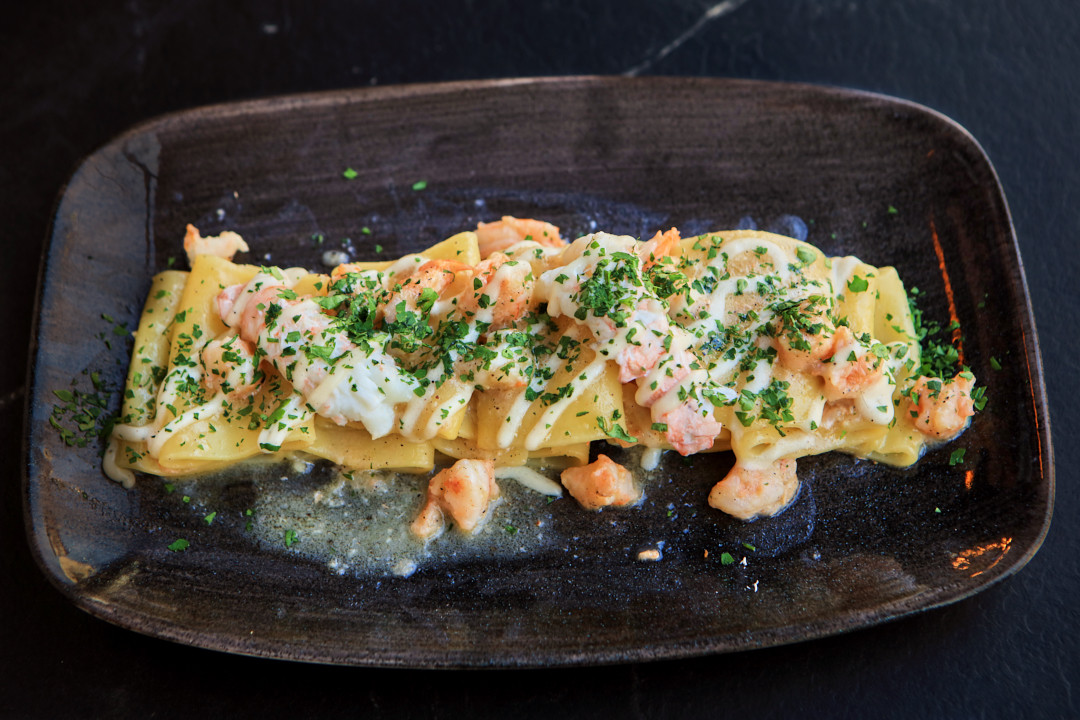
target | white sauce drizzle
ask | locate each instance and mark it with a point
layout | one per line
(516, 415)
(114, 472)
(531, 479)
(293, 416)
(200, 412)
(650, 458)
(542, 429)
(842, 269)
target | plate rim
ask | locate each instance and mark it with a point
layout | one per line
(153, 626)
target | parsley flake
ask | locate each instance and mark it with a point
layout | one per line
(615, 431)
(805, 256)
(178, 545)
(857, 284)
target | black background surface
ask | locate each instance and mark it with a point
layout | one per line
(72, 75)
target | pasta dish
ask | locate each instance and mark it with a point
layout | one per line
(506, 352)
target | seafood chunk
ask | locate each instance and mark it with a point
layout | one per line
(806, 336)
(229, 366)
(851, 369)
(943, 407)
(747, 494)
(418, 292)
(465, 491)
(502, 234)
(502, 291)
(600, 484)
(224, 245)
(662, 244)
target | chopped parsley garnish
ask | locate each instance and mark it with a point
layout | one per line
(940, 356)
(857, 284)
(178, 545)
(615, 430)
(978, 397)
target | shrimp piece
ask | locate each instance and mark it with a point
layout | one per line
(690, 427)
(252, 318)
(643, 350)
(498, 236)
(243, 307)
(224, 245)
(542, 258)
(465, 491)
(811, 344)
(807, 337)
(226, 300)
(506, 290)
(674, 371)
(849, 371)
(748, 494)
(660, 246)
(636, 360)
(600, 484)
(434, 275)
(846, 379)
(344, 269)
(229, 366)
(942, 408)
(364, 387)
(343, 382)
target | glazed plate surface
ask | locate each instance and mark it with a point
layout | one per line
(888, 181)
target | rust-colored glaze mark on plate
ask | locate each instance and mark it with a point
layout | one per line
(964, 560)
(954, 319)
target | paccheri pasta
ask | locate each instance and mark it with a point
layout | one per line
(505, 352)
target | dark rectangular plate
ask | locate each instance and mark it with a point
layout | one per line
(889, 181)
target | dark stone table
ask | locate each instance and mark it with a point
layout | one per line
(75, 74)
